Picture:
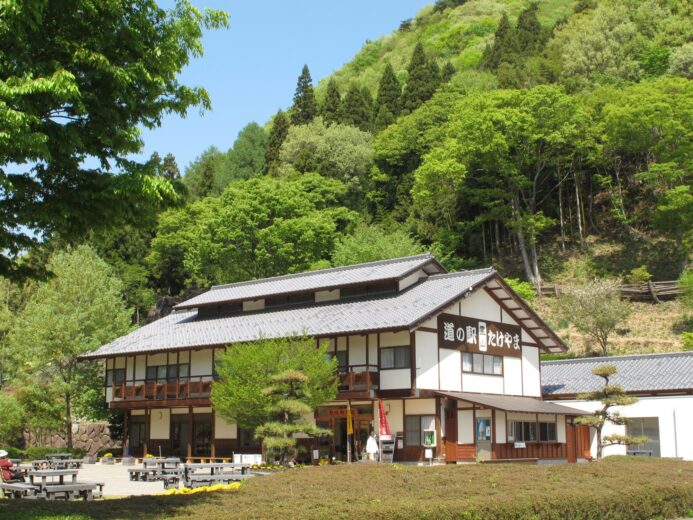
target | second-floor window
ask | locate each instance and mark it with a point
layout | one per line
(341, 356)
(163, 373)
(482, 364)
(115, 376)
(395, 357)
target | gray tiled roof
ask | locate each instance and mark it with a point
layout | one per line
(641, 373)
(382, 270)
(400, 311)
(512, 403)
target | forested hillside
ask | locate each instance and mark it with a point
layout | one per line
(552, 140)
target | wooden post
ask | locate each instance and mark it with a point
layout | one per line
(125, 433)
(190, 430)
(653, 292)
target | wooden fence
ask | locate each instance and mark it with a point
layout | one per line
(650, 291)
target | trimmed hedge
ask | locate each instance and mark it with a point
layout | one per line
(41, 452)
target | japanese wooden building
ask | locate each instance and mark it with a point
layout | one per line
(453, 353)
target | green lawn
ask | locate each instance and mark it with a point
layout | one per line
(620, 488)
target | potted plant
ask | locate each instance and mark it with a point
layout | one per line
(107, 458)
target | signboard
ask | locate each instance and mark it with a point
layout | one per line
(479, 336)
(520, 445)
(429, 438)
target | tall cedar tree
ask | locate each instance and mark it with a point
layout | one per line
(389, 92)
(355, 109)
(370, 103)
(504, 46)
(280, 129)
(447, 73)
(305, 107)
(383, 119)
(530, 36)
(332, 104)
(421, 83)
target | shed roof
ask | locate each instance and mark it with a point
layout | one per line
(646, 373)
(323, 279)
(403, 310)
(512, 403)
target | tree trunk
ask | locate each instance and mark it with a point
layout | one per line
(560, 213)
(521, 242)
(599, 443)
(498, 247)
(535, 265)
(578, 213)
(68, 420)
(483, 239)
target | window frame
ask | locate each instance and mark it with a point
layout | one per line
(554, 424)
(111, 375)
(512, 431)
(430, 419)
(474, 357)
(394, 349)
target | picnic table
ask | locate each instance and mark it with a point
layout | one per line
(53, 456)
(202, 474)
(169, 470)
(57, 464)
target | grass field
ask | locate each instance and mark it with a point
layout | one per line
(612, 489)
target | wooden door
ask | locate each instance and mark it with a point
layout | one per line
(450, 434)
(570, 442)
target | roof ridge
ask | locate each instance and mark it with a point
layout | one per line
(427, 256)
(457, 273)
(616, 358)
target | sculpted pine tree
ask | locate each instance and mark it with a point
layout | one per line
(305, 107)
(610, 396)
(389, 92)
(421, 83)
(288, 394)
(280, 129)
(331, 106)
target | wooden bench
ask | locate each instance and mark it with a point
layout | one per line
(97, 493)
(143, 474)
(18, 490)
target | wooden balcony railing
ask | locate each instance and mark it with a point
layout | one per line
(182, 388)
(358, 378)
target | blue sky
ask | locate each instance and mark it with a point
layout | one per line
(250, 69)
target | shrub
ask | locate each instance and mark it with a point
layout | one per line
(41, 452)
(687, 340)
(639, 275)
(14, 453)
(524, 289)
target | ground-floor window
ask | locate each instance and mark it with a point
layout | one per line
(547, 432)
(414, 425)
(648, 427)
(522, 431)
(482, 364)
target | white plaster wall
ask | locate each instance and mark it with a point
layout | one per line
(420, 406)
(395, 379)
(395, 415)
(326, 296)
(137, 412)
(140, 367)
(512, 375)
(507, 318)
(201, 362)
(500, 427)
(526, 338)
(223, 429)
(184, 356)
(411, 279)
(481, 306)
(120, 362)
(450, 370)
(675, 415)
(160, 427)
(129, 371)
(357, 351)
(109, 394)
(531, 377)
(341, 343)
(560, 428)
(373, 349)
(426, 360)
(202, 409)
(180, 411)
(394, 339)
(254, 305)
(482, 384)
(465, 427)
(157, 359)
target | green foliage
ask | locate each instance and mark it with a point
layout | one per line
(595, 309)
(245, 159)
(247, 370)
(12, 421)
(525, 289)
(256, 228)
(389, 92)
(305, 107)
(529, 33)
(331, 106)
(422, 81)
(686, 285)
(75, 87)
(369, 243)
(41, 452)
(76, 311)
(201, 174)
(687, 340)
(505, 46)
(356, 110)
(681, 62)
(447, 73)
(338, 151)
(278, 133)
(638, 275)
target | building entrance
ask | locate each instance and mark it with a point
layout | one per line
(339, 443)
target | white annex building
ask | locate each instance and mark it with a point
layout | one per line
(663, 384)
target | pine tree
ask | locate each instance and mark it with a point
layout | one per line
(169, 168)
(389, 92)
(370, 105)
(504, 46)
(383, 119)
(280, 129)
(355, 110)
(421, 83)
(448, 72)
(434, 76)
(530, 36)
(305, 107)
(332, 103)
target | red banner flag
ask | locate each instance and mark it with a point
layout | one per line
(384, 426)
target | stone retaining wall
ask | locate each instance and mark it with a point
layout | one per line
(90, 437)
